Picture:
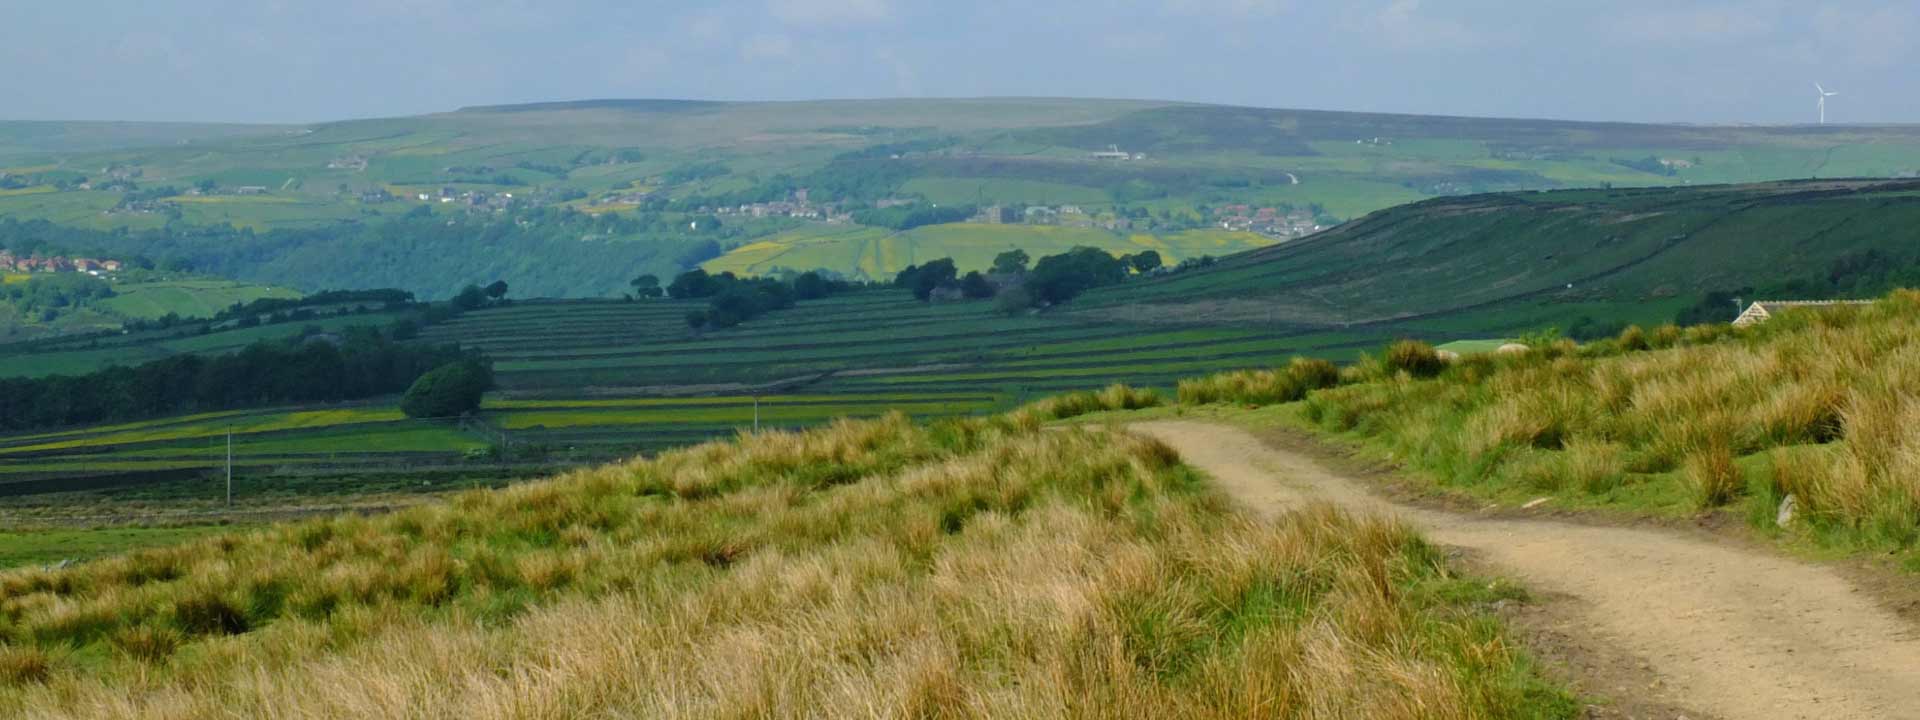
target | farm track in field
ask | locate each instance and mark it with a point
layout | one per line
(1734, 632)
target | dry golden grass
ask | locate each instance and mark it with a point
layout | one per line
(1683, 410)
(975, 568)
(1293, 382)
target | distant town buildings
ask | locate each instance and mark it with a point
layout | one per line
(56, 263)
(1267, 221)
(1113, 152)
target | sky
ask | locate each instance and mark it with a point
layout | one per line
(1749, 61)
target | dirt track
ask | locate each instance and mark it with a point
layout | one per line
(1729, 632)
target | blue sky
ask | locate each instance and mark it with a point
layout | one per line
(298, 61)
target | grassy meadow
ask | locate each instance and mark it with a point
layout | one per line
(1816, 405)
(878, 254)
(187, 298)
(964, 568)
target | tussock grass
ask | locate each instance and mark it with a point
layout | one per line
(1118, 396)
(1678, 409)
(970, 568)
(1261, 387)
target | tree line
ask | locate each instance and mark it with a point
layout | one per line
(362, 363)
(732, 300)
(1053, 280)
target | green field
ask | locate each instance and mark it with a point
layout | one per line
(186, 298)
(877, 254)
(321, 215)
(584, 381)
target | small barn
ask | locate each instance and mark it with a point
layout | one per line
(1762, 310)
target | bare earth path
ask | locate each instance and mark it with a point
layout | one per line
(1733, 633)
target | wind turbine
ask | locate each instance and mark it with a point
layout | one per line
(1823, 101)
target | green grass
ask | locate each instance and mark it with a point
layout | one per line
(1669, 423)
(51, 545)
(879, 534)
(186, 298)
(879, 254)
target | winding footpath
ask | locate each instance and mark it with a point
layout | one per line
(1729, 632)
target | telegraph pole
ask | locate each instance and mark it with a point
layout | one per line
(756, 414)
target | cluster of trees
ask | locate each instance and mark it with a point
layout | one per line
(451, 390)
(48, 295)
(732, 300)
(384, 298)
(908, 217)
(474, 297)
(364, 363)
(1053, 280)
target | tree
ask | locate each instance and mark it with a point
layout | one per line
(811, 286)
(1011, 262)
(450, 390)
(470, 297)
(923, 279)
(695, 283)
(1058, 278)
(1146, 262)
(498, 289)
(647, 286)
(975, 286)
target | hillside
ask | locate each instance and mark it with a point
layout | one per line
(309, 202)
(1554, 256)
(584, 381)
(53, 139)
(978, 568)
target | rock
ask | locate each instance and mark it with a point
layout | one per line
(1512, 349)
(1447, 356)
(1534, 503)
(1788, 506)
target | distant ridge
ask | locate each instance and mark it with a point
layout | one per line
(641, 105)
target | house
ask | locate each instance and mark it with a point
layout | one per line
(250, 190)
(1113, 152)
(1762, 310)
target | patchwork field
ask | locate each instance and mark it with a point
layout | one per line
(877, 254)
(186, 298)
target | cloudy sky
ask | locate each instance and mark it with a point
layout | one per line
(310, 60)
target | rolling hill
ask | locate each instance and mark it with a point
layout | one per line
(1552, 255)
(588, 380)
(309, 202)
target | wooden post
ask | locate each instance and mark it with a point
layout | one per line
(229, 468)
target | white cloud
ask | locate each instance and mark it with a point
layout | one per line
(829, 12)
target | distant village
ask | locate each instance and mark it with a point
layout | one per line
(56, 263)
(1267, 221)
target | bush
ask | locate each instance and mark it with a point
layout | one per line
(1415, 358)
(450, 390)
